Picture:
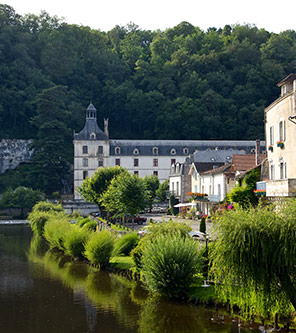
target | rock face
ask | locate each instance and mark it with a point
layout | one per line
(14, 152)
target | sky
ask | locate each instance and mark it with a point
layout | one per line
(272, 15)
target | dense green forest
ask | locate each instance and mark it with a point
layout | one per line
(181, 83)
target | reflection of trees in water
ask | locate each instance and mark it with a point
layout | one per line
(93, 290)
(101, 292)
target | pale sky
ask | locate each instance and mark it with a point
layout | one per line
(103, 15)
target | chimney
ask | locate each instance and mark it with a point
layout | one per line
(106, 123)
(257, 152)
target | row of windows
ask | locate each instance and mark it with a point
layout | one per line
(85, 150)
(136, 162)
(136, 151)
(136, 173)
(282, 171)
(281, 132)
(85, 162)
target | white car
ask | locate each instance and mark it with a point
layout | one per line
(198, 235)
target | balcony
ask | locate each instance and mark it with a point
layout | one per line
(281, 188)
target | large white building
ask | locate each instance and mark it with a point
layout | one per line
(93, 149)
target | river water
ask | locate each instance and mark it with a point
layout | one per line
(43, 291)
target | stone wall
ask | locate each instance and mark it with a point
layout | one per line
(14, 152)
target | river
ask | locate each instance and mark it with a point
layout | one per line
(44, 291)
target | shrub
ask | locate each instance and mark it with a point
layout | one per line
(90, 226)
(125, 244)
(74, 240)
(55, 229)
(202, 226)
(169, 228)
(170, 263)
(46, 206)
(99, 247)
(37, 221)
(83, 220)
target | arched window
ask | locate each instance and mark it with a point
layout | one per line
(117, 150)
(155, 151)
(185, 151)
(173, 151)
(92, 136)
(136, 151)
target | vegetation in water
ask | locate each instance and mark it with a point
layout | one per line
(125, 244)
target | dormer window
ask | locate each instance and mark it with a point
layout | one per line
(155, 151)
(92, 136)
(185, 151)
(117, 151)
(173, 151)
(136, 151)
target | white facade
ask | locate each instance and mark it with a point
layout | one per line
(280, 132)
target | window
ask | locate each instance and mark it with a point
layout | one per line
(92, 136)
(177, 185)
(219, 189)
(195, 175)
(271, 135)
(210, 189)
(173, 151)
(136, 162)
(195, 188)
(136, 151)
(100, 162)
(173, 161)
(85, 174)
(185, 151)
(173, 187)
(136, 173)
(282, 131)
(84, 150)
(85, 162)
(117, 151)
(283, 170)
(271, 172)
(155, 162)
(155, 173)
(117, 161)
(100, 150)
(155, 151)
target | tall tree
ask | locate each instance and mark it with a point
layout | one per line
(51, 148)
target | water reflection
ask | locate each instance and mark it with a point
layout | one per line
(47, 292)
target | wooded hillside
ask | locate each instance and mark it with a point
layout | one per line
(182, 83)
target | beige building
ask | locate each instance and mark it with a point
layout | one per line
(280, 133)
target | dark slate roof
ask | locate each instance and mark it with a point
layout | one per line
(202, 166)
(206, 147)
(221, 169)
(91, 126)
(288, 79)
(91, 107)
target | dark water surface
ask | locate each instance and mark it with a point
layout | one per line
(43, 291)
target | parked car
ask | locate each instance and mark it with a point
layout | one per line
(138, 219)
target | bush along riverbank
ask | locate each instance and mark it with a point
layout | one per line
(167, 259)
(171, 264)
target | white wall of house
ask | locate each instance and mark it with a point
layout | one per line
(282, 161)
(175, 185)
(213, 184)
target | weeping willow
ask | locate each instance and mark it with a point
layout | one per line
(253, 261)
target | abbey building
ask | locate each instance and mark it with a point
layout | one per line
(94, 149)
